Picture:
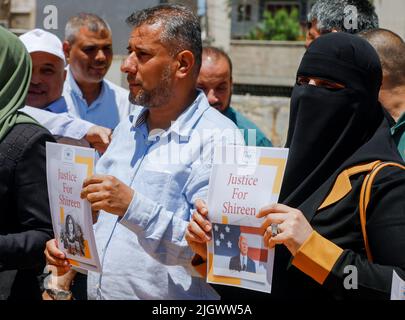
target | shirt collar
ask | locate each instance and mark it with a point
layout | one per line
(58, 106)
(138, 121)
(185, 123)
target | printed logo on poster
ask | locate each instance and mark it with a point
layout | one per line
(68, 154)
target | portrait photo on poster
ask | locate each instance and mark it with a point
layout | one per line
(239, 252)
(71, 236)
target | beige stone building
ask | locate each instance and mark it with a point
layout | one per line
(17, 15)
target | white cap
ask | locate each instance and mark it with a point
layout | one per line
(44, 41)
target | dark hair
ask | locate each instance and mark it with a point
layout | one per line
(391, 51)
(181, 28)
(69, 217)
(217, 52)
(89, 20)
(330, 14)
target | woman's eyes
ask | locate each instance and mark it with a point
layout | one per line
(319, 83)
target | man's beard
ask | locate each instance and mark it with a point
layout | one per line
(156, 97)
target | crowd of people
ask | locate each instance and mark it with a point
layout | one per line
(347, 119)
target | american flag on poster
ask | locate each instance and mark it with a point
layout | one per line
(224, 246)
(227, 237)
(225, 243)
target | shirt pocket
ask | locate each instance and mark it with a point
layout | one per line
(155, 185)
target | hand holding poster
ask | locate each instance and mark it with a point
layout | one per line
(243, 180)
(67, 167)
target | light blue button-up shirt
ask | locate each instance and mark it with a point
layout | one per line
(110, 107)
(144, 255)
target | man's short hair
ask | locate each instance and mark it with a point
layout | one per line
(241, 237)
(330, 14)
(89, 20)
(216, 53)
(391, 51)
(181, 28)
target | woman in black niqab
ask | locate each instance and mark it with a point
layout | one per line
(335, 134)
(328, 126)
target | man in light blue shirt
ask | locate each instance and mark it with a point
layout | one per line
(157, 165)
(46, 105)
(88, 48)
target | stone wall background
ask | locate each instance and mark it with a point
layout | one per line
(270, 114)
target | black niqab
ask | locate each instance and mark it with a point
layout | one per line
(330, 128)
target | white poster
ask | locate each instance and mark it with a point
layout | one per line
(67, 166)
(243, 180)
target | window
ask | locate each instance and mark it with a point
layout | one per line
(274, 6)
(244, 12)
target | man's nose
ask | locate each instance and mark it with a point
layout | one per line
(35, 78)
(129, 65)
(212, 98)
(100, 56)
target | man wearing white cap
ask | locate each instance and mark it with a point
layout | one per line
(45, 92)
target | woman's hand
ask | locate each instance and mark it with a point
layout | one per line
(293, 227)
(198, 231)
(55, 257)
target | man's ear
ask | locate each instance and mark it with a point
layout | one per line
(185, 60)
(66, 50)
(64, 75)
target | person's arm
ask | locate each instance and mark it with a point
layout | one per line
(67, 126)
(386, 234)
(60, 124)
(330, 265)
(160, 231)
(23, 249)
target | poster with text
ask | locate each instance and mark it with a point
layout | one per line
(243, 180)
(67, 166)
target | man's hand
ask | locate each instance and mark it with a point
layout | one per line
(99, 138)
(198, 231)
(107, 193)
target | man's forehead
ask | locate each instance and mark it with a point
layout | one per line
(212, 66)
(85, 34)
(215, 60)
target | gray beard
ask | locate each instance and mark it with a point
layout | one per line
(155, 97)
